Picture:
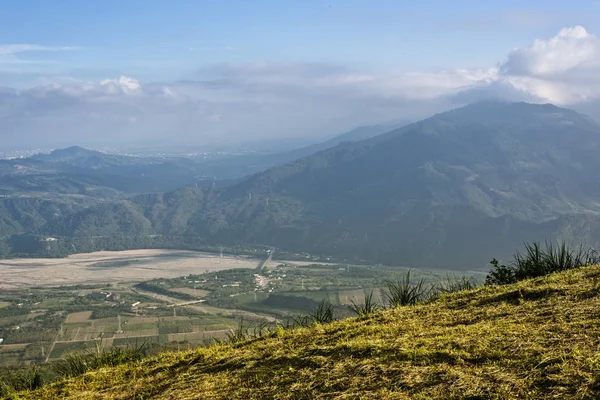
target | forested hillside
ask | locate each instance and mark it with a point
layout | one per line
(485, 178)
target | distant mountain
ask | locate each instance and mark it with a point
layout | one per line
(68, 154)
(355, 135)
(76, 170)
(238, 167)
(455, 189)
(79, 157)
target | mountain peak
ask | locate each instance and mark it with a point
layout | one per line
(67, 154)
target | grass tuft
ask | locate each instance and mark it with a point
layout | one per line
(76, 364)
(453, 284)
(403, 292)
(368, 306)
(322, 314)
(13, 381)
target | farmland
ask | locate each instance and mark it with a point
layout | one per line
(52, 307)
(284, 289)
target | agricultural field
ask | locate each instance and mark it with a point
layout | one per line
(51, 307)
(285, 289)
(43, 324)
(165, 298)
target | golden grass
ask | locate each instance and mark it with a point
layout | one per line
(538, 339)
(77, 317)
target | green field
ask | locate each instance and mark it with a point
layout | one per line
(75, 318)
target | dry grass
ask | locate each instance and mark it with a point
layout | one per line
(537, 339)
(76, 317)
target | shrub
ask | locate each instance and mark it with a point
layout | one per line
(401, 292)
(538, 261)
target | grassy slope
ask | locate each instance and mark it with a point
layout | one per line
(536, 339)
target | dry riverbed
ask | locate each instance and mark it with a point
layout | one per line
(114, 267)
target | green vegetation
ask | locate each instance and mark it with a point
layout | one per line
(368, 306)
(322, 314)
(402, 292)
(538, 261)
(76, 364)
(288, 289)
(535, 339)
(13, 381)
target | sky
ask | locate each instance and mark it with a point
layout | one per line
(73, 72)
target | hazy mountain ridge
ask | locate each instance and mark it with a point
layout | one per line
(417, 195)
(75, 176)
(76, 170)
(456, 172)
(485, 177)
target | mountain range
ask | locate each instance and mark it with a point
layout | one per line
(452, 190)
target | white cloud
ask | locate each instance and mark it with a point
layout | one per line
(265, 99)
(25, 48)
(564, 69)
(571, 48)
(124, 84)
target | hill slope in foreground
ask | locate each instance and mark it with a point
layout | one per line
(535, 339)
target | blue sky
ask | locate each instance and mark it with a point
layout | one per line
(209, 71)
(164, 40)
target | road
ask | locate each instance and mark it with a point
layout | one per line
(195, 305)
(266, 262)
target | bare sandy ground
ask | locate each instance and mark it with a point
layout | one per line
(114, 267)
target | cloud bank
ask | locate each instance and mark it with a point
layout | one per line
(260, 100)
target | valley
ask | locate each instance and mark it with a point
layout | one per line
(103, 255)
(299, 200)
(166, 298)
